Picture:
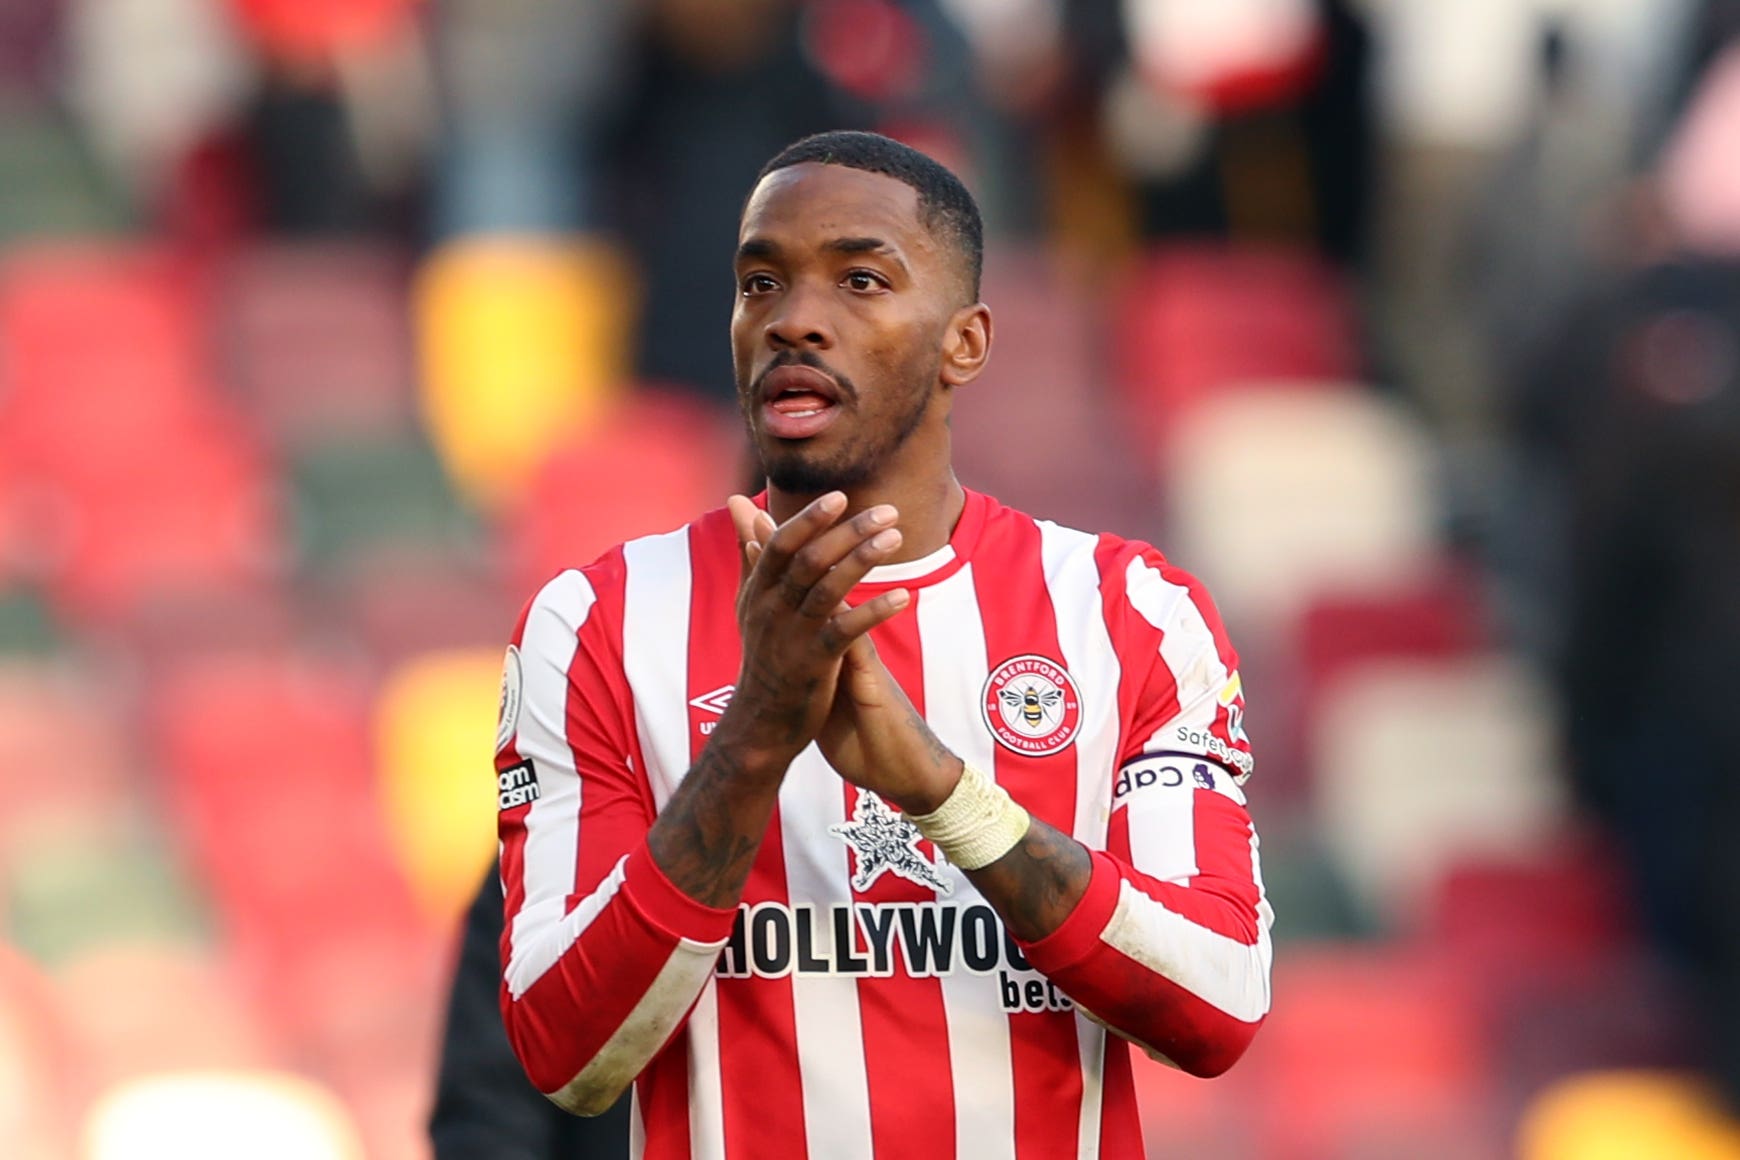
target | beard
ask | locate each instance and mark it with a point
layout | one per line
(851, 466)
(801, 472)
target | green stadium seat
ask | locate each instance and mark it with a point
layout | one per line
(52, 185)
(27, 627)
(354, 496)
(70, 886)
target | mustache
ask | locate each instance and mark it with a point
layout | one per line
(792, 358)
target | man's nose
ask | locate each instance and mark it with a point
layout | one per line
(800, 320)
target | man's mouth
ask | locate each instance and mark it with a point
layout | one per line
(798, 401)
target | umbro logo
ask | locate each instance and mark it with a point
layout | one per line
(715, 701)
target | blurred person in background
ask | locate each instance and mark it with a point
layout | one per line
(485, 1107)
(638, 120)
(858, 317)
(1632, 411)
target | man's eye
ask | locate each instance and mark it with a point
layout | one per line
(757, 284)
(864, 280)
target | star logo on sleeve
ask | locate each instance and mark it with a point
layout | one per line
(882, 840)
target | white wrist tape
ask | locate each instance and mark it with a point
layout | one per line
(977, 824)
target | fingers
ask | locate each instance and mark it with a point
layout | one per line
(744, 515)
(849, 629)
(788, 538)
(810, 563)
(836, 548)
(819, 599)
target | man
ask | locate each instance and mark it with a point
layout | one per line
(851, 826)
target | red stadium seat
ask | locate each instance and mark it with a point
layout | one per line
(126, 476)
(58, 728)
(200, 515)
(143, 1007)
(1371, 1053)
(1544, 921)
(1196, 319)
(1038, 429)
(653, 464)
(1437, 618)
(316, 339)
(400, 601)
(270, 770)
(1440, 618)
(1185, 1116)
(74, 316)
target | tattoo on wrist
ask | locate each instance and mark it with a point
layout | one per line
(697, 840)
(1037, 884)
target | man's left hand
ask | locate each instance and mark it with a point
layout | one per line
(876, 739)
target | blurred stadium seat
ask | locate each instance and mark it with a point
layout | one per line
(38, 1066)
(220, 1115)
(133, 1008)
(74, 884)
(52, 183)
(1193, 320)
(1628, 1116)
(1370, 1053)
(126, 473)
(1418, 765)
(434, 733)
(315, 339)
(1539, 918)
(270, 775)
(522, 343)
(1440, 616)
(1037, 430)
(394, 602)
(360, 495)
(28, 627)
(649, 466)
(1279, 497)
(58, 721)
(1183, 1116)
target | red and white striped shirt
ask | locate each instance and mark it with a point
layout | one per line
(864, 1000)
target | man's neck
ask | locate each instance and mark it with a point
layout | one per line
(929, 509)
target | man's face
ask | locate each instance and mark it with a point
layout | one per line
(843, 299)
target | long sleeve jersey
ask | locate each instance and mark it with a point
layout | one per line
(864, 999)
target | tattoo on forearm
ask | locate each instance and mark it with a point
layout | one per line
(700, 839)
(1036, 885)
(768, 684)
(939, 753)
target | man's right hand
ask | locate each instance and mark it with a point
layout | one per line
(794, 624)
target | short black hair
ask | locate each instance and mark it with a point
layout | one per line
(944, 206)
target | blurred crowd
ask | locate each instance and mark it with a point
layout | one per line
(330, 328)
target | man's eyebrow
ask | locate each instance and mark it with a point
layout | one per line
(757, 248)
(861, 246)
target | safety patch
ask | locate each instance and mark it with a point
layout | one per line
(1031, 705)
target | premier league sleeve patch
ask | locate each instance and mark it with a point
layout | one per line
(1032, 706)
(507, 721)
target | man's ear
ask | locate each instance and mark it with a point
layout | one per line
(967, 345)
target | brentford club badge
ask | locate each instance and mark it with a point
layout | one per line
(1032, 705)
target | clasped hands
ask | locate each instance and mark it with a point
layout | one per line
(810, 671)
